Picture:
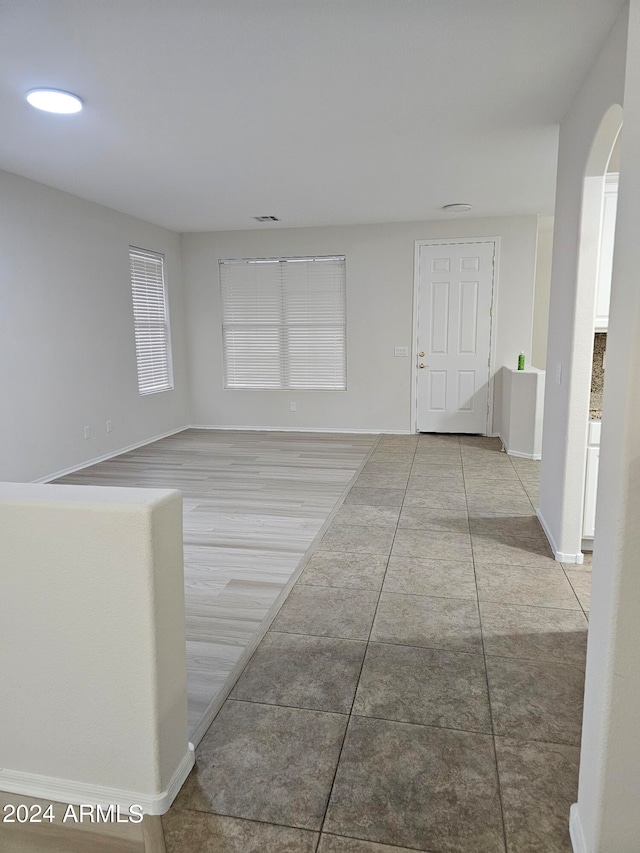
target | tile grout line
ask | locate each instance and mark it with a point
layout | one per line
(525, 489)
(391, 847)
(364, 657)
(564, 572)
(393, 643)
(409, 646)
(388, 720)
(247, 819)
(449, 597)
(486, 674)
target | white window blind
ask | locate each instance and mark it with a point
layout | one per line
(284, 323)
(151, 321)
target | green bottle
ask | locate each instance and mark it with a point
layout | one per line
(521, 361)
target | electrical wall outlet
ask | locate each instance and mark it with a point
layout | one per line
(87, 432)
(109, 426)
(292, 407)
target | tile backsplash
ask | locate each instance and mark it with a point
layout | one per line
(597, 374)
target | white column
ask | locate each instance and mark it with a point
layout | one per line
(606, 818)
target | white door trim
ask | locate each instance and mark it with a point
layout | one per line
(448, 241)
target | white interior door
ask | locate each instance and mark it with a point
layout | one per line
(455, 288)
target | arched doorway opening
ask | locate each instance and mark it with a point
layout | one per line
(571, 506)
(591, 260)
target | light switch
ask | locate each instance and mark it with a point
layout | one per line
(401, 352)
(558, 374)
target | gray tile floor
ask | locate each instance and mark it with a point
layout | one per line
(421, 687)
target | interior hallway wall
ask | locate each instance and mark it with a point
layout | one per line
(380, 262)
(542, 292)
(607, 818)
(566, 416)
(67, 352)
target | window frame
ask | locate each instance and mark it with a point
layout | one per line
(284, 366)
(144, 389)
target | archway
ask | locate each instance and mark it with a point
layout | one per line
(565, 509)
(588, 265)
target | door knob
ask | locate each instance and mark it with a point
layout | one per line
(421, 365)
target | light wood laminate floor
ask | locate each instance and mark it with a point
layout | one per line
(253, 504)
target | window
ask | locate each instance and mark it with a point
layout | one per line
(151, 321)
(284, 323)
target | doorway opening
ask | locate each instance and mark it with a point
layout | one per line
(595, 257)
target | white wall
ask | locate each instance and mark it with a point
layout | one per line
(542, 292)
(93, 658)
(67, 355)
(379, 317)
(567, 404)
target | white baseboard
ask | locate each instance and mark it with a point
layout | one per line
(560, 556)
(575, 831)
(547, 532)
(305, 429)
(509, 452)
(95, 460)
(536, 456)
(74, 468)
(50, 788)
(162, 802)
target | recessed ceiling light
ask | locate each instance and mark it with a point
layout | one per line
(457, 208)
(54, 101)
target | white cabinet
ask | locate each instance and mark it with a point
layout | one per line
(522, 411)
(605, 259)
(591, 481)
(590, 492)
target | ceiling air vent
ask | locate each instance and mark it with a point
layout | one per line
(266, 219)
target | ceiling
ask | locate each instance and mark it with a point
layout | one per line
(200, 114)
